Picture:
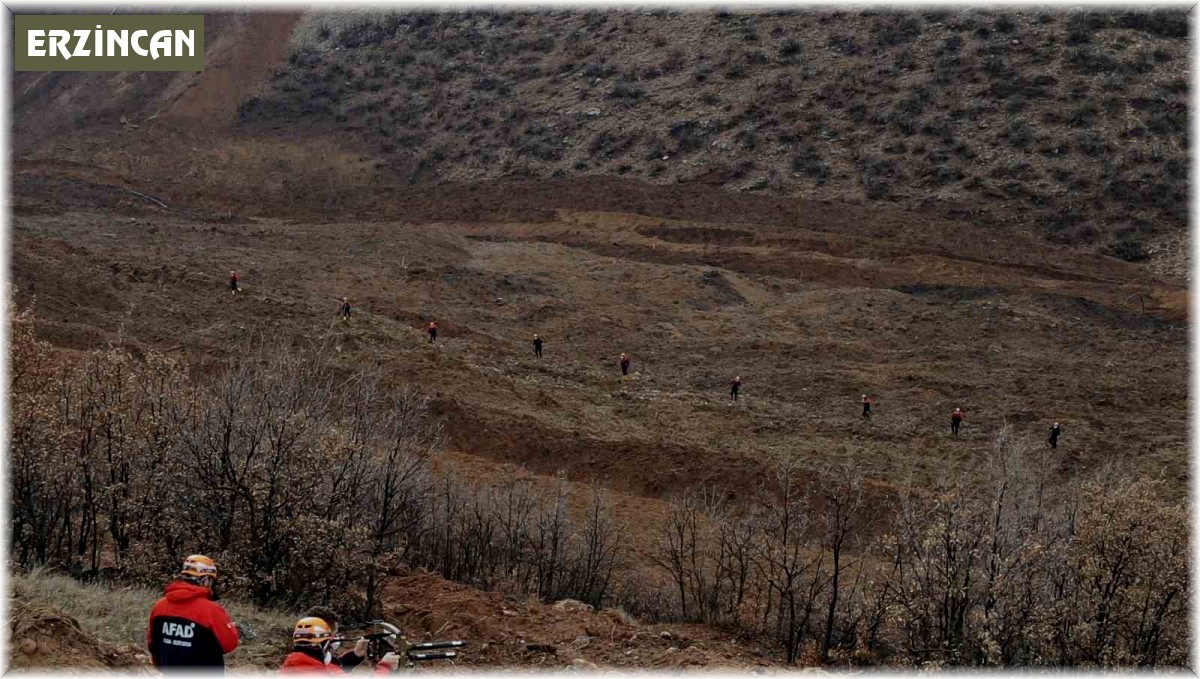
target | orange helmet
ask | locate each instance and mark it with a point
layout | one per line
(199, 566)
(311, 632)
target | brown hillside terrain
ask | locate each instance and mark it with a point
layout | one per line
(1068, 126)
(811, 320)
(940, 210)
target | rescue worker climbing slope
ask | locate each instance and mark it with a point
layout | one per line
(624, 364)
(188, 630)
(956, 419)
(866, 404)
(1055, 432)
(432, 330)
(734, 387)
(537, 345)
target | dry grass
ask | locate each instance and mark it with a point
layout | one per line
(118, 615)
(1047, 121)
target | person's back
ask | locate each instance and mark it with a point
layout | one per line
(188, 630)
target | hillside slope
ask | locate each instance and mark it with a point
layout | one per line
(56, 623)
(923, 314)
(933, 209)
(1070, 126)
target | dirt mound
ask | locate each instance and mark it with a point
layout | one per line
(514, 630)
(44, 637)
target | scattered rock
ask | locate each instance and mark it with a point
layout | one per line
(28, 646)
(549, 649)
(580, 663)
(572, 605)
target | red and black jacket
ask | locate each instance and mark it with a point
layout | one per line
(304, 661)
(189, 630)
(307, 660)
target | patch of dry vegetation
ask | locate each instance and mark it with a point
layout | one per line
(309, 487)
(1072, 125)
(116, 615)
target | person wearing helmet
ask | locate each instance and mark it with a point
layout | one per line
(432, 330)
(624, 364)
(956, 419)
(1055, 432)
(866, 403)
(537, 345)
(350, 659)
(345, 308)
(188, 630)
(233, 282)
(312, 641)
(734, 386)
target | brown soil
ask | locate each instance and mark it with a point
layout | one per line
(501, 630)
(43, 638)
(509, 630)
(922, 315)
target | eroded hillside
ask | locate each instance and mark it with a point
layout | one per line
(1071, 126)
(934, 209)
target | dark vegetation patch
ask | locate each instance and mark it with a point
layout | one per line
(924, 109)
(948, 293)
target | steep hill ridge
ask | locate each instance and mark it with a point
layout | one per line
(1069, 126)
